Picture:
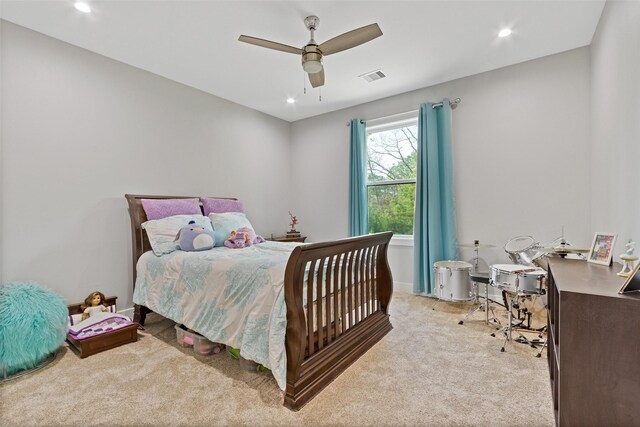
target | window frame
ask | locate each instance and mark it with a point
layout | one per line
(383, 125)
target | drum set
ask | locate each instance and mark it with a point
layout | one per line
(519, 283)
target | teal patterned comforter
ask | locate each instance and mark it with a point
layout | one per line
(231, 296)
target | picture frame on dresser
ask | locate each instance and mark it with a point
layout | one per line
(601, 251)
(632, 284)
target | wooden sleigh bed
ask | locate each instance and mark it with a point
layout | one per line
(323, 335)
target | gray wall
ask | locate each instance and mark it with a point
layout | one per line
(532, 153)
(615, 124)
(80, 130)
(521, 161)
(1, 161)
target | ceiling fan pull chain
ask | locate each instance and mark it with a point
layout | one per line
(304, 81)
(320, 94)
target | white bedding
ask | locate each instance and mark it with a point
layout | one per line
(231, 296)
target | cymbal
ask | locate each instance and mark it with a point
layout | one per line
(476, 245)
(563, 250)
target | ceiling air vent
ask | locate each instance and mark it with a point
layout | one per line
(373, 75)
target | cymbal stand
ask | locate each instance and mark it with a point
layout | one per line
(487, 307)
(476, 303)
(476, 243)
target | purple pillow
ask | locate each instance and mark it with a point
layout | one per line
(162, 208)
(221, 206)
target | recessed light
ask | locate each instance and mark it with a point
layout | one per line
(290, 101)
(504, 33)
(82, 6)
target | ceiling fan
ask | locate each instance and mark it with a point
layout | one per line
(312, 53)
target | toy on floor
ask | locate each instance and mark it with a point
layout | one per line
(204, 347)
(246, 364)
(94, 303)
(195, 238)
(243, 237)
(101, 331)
(97, 318)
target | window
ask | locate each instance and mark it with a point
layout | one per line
(391, 175)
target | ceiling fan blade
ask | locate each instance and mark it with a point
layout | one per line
(351, 39)
(269, 44)
(317, 79)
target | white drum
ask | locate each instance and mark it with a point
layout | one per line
(452, 280)
(522, 250)
(518, 278)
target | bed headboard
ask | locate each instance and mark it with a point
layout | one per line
(139, 241)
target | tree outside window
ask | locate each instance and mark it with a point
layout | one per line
(391, 177)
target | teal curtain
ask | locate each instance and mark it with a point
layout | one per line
(358, 214)
(434, 229)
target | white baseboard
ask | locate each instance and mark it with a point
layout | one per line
(127, 312)
(403, 287)
(407, 288)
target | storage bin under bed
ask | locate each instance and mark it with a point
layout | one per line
(200, 344)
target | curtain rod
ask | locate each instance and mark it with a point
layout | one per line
(453, 104)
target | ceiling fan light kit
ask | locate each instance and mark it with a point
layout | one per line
(312, 53)
(312, 59)
(312, 66)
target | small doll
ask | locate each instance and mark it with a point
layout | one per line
(94, 303)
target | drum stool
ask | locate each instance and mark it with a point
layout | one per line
(477, 278)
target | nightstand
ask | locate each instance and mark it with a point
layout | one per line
(300, 239)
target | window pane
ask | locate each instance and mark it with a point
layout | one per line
(391, 154)
(391, 208)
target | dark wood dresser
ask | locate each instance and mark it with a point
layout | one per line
(594, 345)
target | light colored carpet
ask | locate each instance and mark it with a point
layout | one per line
(428, 371)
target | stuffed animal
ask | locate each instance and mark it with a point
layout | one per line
(195, 238)
(251, 238)
(237, 240)
(243, 237)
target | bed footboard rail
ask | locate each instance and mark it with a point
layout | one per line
(337, 296)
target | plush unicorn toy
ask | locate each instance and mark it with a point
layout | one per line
(243, 237)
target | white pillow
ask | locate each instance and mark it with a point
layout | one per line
(162, 232)
(224, 223)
